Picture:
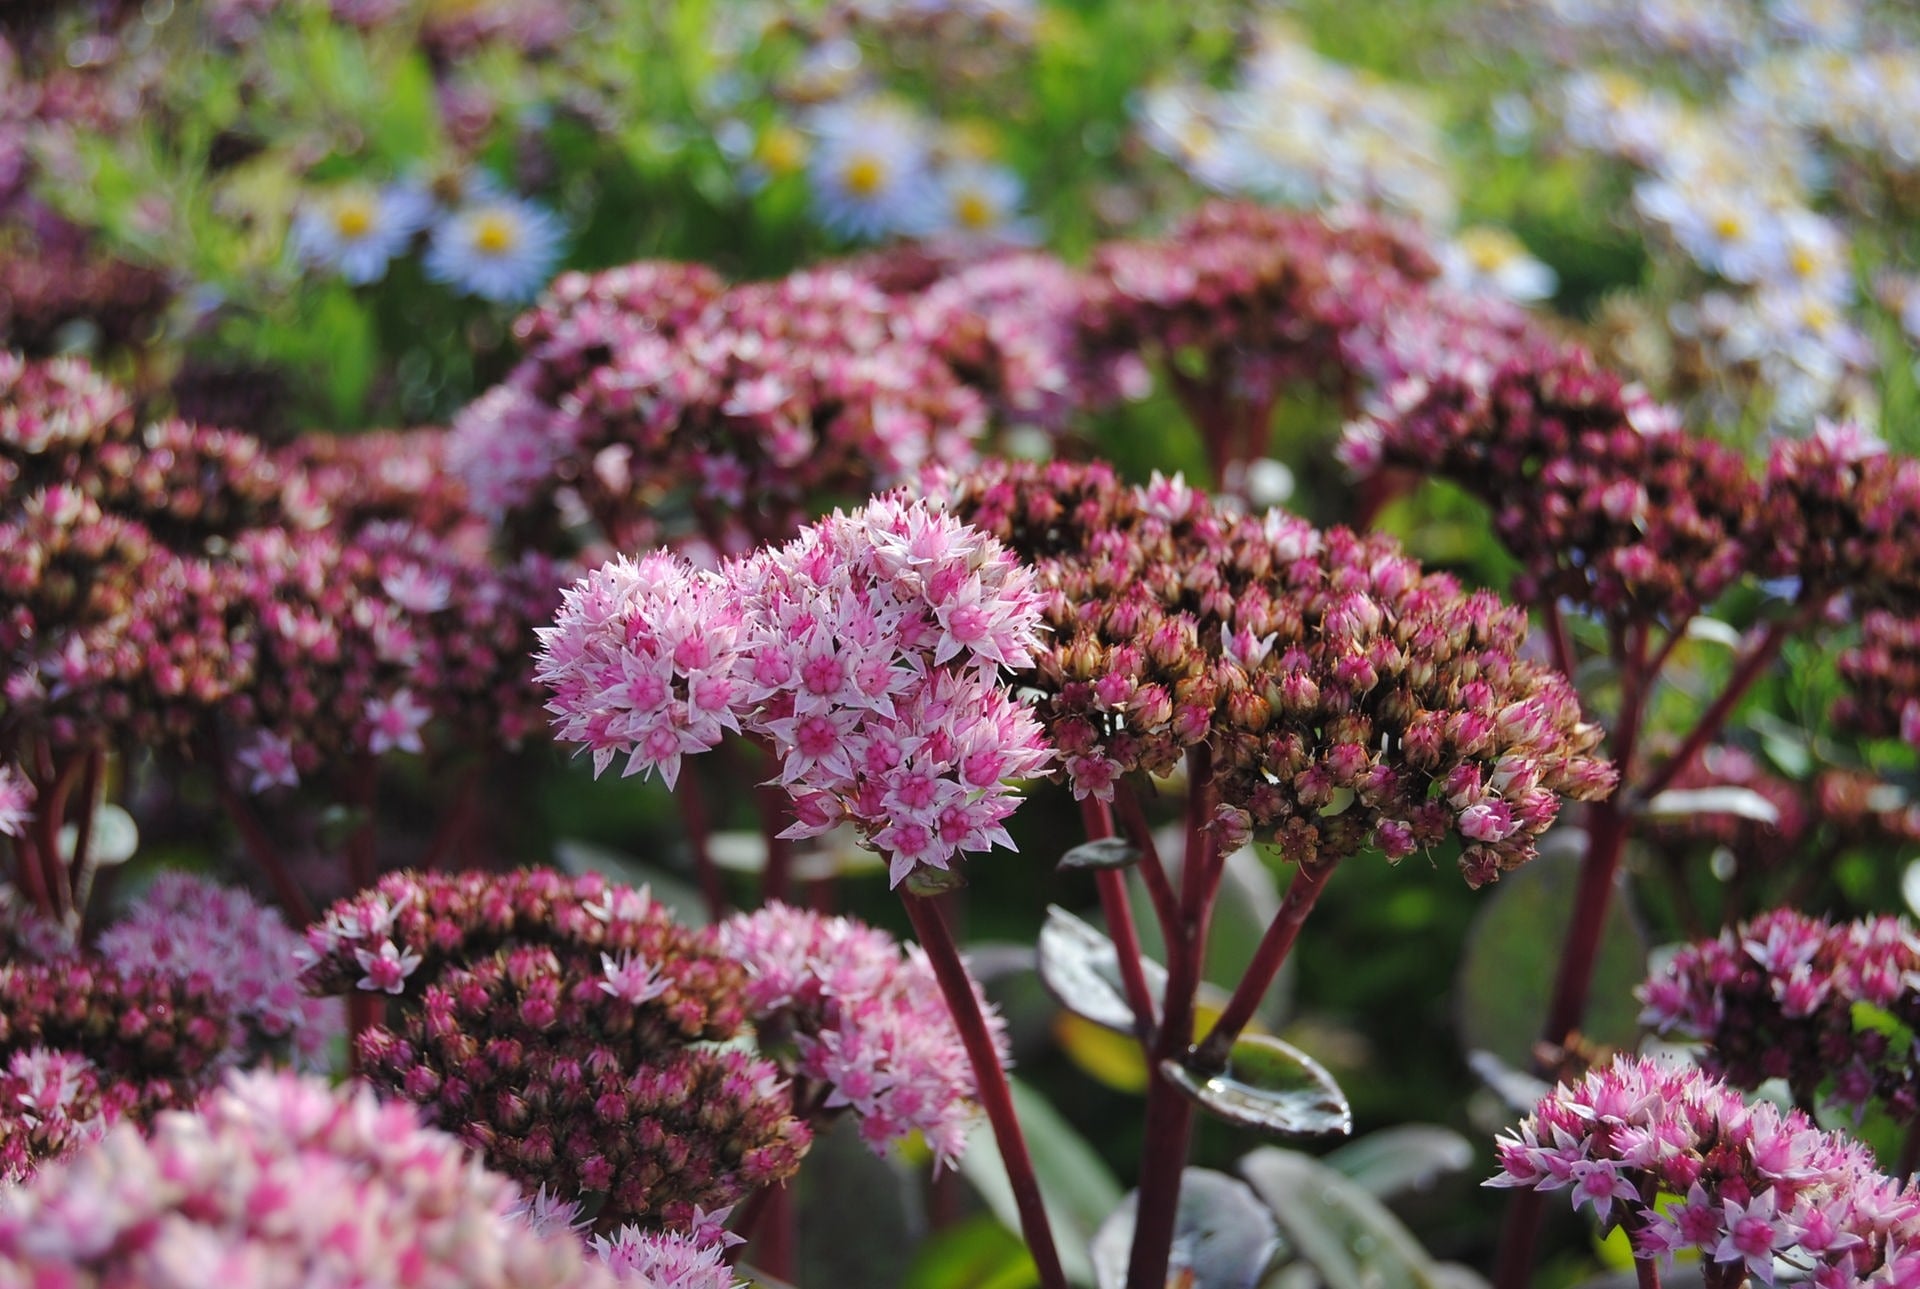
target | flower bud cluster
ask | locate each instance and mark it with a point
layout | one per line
(1777, 998)
(645, 390)
(1592, 486)
(278, 1181)
(1882, 675)
(1009, 326)
(867, 1020)
(243, 952)
(1843, 515)
(1755, 1183)
(556, 1025)
(1265, 296)
(1347, 697)
(865, 651)
(158, 1038)
(65, 280)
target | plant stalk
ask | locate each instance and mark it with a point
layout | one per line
(1112, 884)
(996, 1098)
(1302, 892)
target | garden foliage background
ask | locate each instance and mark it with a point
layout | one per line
(299, 217)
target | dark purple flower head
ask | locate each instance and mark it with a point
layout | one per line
(556, 1024)
(1348, 697)
(1843, 515)
(1263, 297)
(1882, 675)
(1594, 488)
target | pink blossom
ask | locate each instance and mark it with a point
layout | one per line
(270, 760)
(16, 801)
(395, 723)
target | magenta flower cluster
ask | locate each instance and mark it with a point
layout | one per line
(866, 1020)
(567, 1029)
(1757, 1187)
(54, 1103)
(864, 652)
(1780, 997)
(278, 1181)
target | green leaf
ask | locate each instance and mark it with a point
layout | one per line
(1513, 950)
(858, 1212)
(978, 1253)
(1223, 1236)
(1347, 1235)
(1269, 1085)
(1074, 1182)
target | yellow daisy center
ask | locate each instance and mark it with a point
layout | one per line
(1804, 261)
(494, 234)
(782, 151)
(865, 175)
(973, 210)
(1729, 226)
(353, 218)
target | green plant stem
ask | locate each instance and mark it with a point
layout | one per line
(1302, 892)
(996, 1098)
(1112, 885)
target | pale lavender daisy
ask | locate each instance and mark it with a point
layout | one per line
(356, 230)
(870, 170)
(499, 248)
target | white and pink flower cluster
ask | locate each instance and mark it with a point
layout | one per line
(868, 1020)
(280, 1181)
(1757, 1184)
(187, 927)
(865, 653)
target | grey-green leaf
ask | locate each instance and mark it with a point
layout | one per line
(1223, 1236)
(1407, 1157)
(1345, 1234)
(1107, 852)
(1081, 967)
(1272, 1086)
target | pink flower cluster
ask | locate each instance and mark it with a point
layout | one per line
(665, 1259)
(186, 586)
(281, 1181)
(569, 1030)
(55, 1103)
(1347, 697)
(1756, 1185)
(865, 651)
(245, 954)
(1882, 675)
(1843, 514)
(867, 1020)
(1779, 997)
(655, 402)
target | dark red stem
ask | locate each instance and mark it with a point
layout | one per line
(699, 825)
(1112, 884)
(1302, 892)
(1169, 1125)
(1714, 719)
(776, 881)
(1153, 870)
(996, 1098)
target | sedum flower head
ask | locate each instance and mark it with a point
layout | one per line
(281, 1181)
(1592, 487)
(1348, 698)
(565, 1028)
(1755, 1183)
(866, 652)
